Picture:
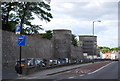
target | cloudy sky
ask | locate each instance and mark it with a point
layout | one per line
(78, 16)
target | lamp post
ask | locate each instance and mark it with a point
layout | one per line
(94, 43)
(93, 26)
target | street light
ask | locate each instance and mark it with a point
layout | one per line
(93, 26)
(94, 43)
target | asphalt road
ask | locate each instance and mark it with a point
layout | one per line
(110, 71)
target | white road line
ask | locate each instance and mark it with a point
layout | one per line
(100, 68)
(90, 73)
(68, 71)
(82, 71)
(34, 77)
(81, 75)
(72, 77)
(28, 78)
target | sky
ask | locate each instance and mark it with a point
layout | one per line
(78, 16)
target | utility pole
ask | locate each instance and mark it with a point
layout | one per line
(94, 42)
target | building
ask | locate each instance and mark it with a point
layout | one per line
(89, 44)
(110, 55)
(115, 55)
(62, 43)
(107, 55)
(98, 52)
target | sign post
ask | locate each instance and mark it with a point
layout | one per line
(17, 29)
(21, 42)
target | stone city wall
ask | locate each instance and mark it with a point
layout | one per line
(76, 52)
(36, 47)
(62, 43)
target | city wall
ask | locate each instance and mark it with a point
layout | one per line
(37, 47)
(76, 52)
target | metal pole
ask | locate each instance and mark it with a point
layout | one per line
(93, 28)
(21, 24)
(93, 35)
(93, 44)
(20, 50)
(20, 60)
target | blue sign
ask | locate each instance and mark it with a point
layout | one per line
(18, 29)
(21, 40)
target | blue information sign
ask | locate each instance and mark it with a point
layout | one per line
(18, 29)
(21, 40)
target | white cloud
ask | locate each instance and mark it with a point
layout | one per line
(67, 5)
(78, 15)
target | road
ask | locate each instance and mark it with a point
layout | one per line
(109, 71)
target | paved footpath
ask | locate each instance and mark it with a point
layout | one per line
(83, 68)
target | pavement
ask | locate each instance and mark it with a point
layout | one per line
(9, 74)
(45, 74)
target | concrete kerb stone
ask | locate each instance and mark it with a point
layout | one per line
(33, 69)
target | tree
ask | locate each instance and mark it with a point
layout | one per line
(116, 49)
(23, 13)
(47, 35)
(74, 40)
(107, 49)
(7, 7)
(104, 49)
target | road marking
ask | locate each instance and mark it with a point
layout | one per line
(68, 71)
(72, 77)
(19, 75)
(100, 68)
(76, 71)
(81, 71)
(28, 78)
(82, 75)
(34, 77)
(90, 73)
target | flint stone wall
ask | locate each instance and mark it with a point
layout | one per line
(35, 47)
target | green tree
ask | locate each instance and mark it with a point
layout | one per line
(74, 40)
(23, 13)
(104, 49)
(47, 35)
(8, 22)
(116, 49)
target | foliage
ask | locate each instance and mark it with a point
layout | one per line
(74, 40)
(107, 49)
(104, 49)
(79, 43)
(22, 13)
(47, 35)
(7, 7)
(116, 49)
